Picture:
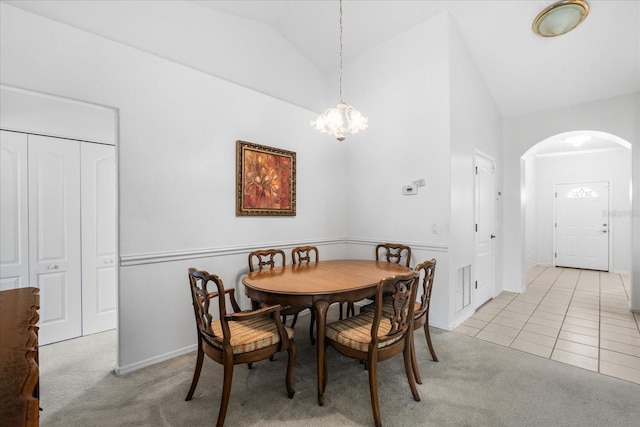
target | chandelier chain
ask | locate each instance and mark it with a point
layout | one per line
(341, 99)
(343, 119)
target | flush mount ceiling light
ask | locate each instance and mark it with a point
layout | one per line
(343, 118)
(560, 18)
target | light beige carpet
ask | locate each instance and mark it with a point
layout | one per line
(476, 383)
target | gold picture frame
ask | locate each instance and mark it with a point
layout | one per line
(265, 180)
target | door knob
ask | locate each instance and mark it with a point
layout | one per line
(52, 267)
(493, 237)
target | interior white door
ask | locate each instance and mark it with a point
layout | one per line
(54, 235)
(485, 230)
(582, 225)
(99, 278)
(14, 224)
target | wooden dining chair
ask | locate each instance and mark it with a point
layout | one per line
(235, 337)
(373, 337)
(307, 254)
(266, 258)
(262, 259)
(426, 271)
(299, 255)
(391, 252)
(394, 252)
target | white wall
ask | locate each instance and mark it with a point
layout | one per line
(618, 116)
(178, 128)
(476, 126)
(429, 111)
(530, 212)
(634, 297)
(33, 112)
(611, 166)
(402, 87)
(216, 43)
(405, 97)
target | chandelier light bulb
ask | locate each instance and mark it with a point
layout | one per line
(342, 119)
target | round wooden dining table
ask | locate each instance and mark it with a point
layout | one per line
(318, 285)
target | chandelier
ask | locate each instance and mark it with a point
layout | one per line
(343, 118)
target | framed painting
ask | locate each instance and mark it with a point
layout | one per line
(265, 180)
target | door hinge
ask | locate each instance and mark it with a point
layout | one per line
(555, 255)
(476, 284)
(555, 224)
(556, 195)
(476, 228)
(476, 170)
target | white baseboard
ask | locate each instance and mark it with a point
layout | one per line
(448, 328)
(122, 370)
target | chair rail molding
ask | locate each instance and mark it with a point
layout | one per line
(414, 245)
(181, 255)
(159, 257)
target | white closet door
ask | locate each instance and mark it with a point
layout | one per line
(485, 229)
(54, 238)
(99, 280)
(14, 224)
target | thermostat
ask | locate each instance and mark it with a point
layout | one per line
(408, 190)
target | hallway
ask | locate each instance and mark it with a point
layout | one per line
(578, 317)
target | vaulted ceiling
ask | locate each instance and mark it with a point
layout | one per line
(524, 72)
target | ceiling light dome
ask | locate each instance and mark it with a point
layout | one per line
(560, 18)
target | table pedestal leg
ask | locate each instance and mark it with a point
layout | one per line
(321, 324)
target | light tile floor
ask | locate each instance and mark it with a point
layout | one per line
(578, 317)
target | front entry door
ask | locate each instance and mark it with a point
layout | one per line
(582, 225)
(484, 230)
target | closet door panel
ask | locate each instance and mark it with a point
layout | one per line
(54, 238)
(99, 279)
(14, 224)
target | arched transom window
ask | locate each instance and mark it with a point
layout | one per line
(581, 193)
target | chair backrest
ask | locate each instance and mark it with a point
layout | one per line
(426, 270)
(202, 297)
(304, 254)
(401, 291)
(394, 252)
(266, 257)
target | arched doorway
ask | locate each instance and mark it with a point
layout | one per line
(583, 156)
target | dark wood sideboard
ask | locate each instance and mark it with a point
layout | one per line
(19, 375)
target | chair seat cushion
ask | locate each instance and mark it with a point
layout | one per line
(250, 335)
(355, 331)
